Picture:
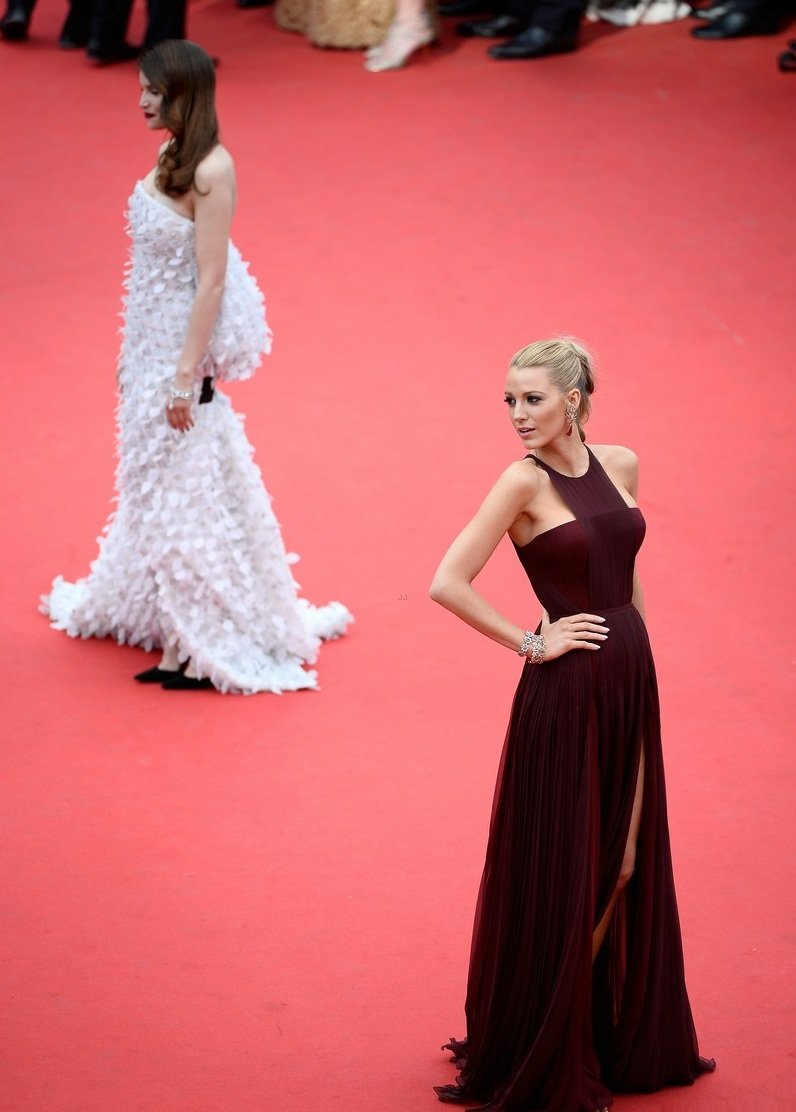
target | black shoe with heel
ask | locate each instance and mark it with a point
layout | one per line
(158, 675)
(187, 683)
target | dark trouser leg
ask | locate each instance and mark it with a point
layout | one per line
(759, 7)
(165, 20)
(15, 19)
(77, 26)
(24, 6)
(522, 10)
(109, 21)
(557, 17)
(560, 18)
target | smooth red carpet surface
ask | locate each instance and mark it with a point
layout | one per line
(234, 904)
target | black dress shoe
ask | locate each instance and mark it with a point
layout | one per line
(75, 31)
(188, 683)
(734, 25)
(14, 24)
(499, 27)
(787, 61)
(66, 42)
(462, 7)
(157, 675)
(107, 55)
(534, 42)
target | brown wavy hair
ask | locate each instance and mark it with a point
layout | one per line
(184, 75)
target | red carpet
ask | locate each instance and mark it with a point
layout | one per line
(236, 904)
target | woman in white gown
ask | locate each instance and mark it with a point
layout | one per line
(192, 560)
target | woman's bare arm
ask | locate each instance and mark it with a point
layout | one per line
(628, 473)
(452, 584)
(213, 208)
(638, 596)
(214, 204)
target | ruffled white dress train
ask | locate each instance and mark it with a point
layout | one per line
(193, 556)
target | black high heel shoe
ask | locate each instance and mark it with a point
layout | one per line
(182, 682)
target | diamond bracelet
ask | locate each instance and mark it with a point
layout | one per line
(534, 642)
(179, 395)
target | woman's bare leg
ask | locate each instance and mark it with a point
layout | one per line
(628, 862)
(170, 661)
(412, 28)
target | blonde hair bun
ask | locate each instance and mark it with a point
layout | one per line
(568, 363)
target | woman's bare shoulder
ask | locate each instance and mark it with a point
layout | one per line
(521, 479)
(620, 463)
(216, 168)
(616, 456)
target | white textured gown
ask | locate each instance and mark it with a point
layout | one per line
(192, 555)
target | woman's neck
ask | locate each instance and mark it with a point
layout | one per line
(569, 456)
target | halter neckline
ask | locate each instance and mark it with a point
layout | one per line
(547, 467)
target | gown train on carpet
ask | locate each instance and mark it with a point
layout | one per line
(193, 556)
(546, 1029)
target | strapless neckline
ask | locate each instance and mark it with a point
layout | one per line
(160, 204)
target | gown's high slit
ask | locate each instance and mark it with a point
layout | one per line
(547, 1030)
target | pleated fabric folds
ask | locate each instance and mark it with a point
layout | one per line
(548, 1031)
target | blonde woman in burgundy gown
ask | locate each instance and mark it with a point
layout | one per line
(576, 986)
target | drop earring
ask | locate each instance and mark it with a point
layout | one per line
(570, 416)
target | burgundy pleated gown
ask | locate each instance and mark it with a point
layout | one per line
(547, 1031)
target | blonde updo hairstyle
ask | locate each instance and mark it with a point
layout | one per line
(569, 366)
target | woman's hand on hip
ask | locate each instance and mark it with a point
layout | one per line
(577, 631)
